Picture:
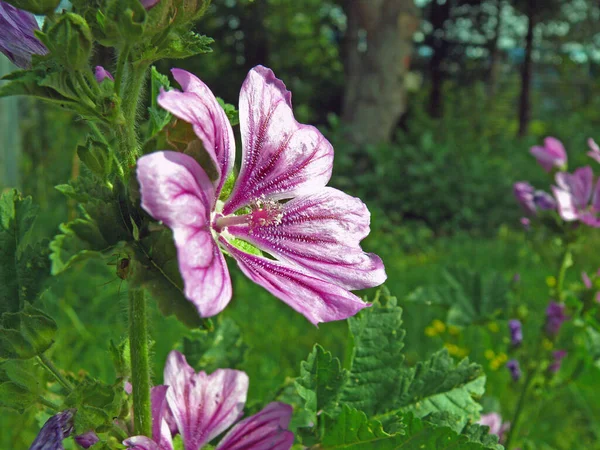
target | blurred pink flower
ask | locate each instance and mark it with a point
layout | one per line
(494, 422)
(594, 152)
(279, 204)
(551, 155)
(577, 196)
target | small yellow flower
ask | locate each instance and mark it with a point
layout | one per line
(493, 327)
(462, 352)
(430, 331)
(454, 331)
(502, 358)
(495, 364)
(551, 281)
(489, 354)
(547, 344)
(438, 325)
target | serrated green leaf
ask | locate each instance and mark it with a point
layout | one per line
(231, 112)
(96, 403)
(26, 333)
(321, 381)
(376, 355)
(474, 432)
(159, 117)
(220, 348)
(13, 396)
(24, 266)
(352, 430)
(438, 385)
(179, 43)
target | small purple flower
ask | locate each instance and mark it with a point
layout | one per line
(17, 38)
(586, 280)
(101, 73)
(594, 152)
(516, 279)
(55, 430)
(515, 369)
(577, 196)
(525, 223)
(555, 316)
(204, 406)
(523, 192)
(86, 440)
(494, 422)
(279, 204)
(557, 357)
(544, 201)
(516, 332)
(551, 155)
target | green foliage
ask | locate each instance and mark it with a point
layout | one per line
(320, 382)
(469, 296)
(220, 348)
(26, 333)
(69, 40)
(24, 265)
(159, 118)
(36, 6)
(353, 430)
(97, 403)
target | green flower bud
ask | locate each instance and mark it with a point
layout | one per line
(70, 41)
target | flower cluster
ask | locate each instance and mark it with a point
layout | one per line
(575, 196)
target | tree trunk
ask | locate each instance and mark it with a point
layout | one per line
(377, 51)
(494, 69)
(526, 73)
(438, 17)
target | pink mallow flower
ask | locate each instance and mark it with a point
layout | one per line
(203, 406)
(594, 152)
(577, 196)
(280, 204)
(551, 155)
(494, 422)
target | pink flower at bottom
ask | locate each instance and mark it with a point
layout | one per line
(279, 204)
(203, 406)
(494, 422)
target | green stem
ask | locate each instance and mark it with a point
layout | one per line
(120, 68)
(567, 261)
(49, 366)
(86, 88)
(140, 367)
(519, 409)
(53, 406)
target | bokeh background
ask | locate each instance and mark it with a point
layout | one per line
(431, 107)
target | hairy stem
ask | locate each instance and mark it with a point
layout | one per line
(140, 367)
(49, 366)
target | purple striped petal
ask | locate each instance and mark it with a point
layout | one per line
(160, 427)
(316, 299)
(56, 428)
(176, 191)
(281, 157)
(141, 443)
(552, 154)
(578, 185)
(17, 38)
(198, 106)
(266, 430)
(203, 405)
(321, 233)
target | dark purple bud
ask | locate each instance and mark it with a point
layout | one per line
(17, 38)
(86, 440)
(53, 432)
(514, 369)
(557, 357)
(516, 278)
(544, 201)
(101, 73)
(148, 4)
(516, 332)
(555, 316)
(523, 192)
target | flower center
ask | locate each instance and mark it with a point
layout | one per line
(262, 213)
